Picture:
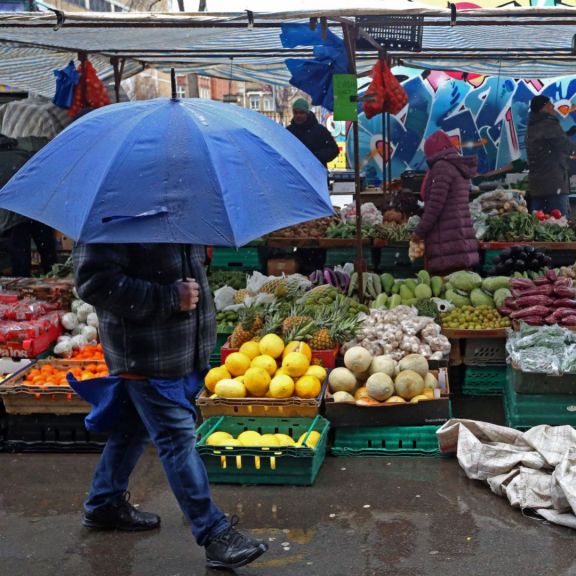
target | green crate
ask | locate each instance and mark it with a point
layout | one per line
(489, 255)
(221, 339)
(297, 466)
(484, 380)
(533, 383)
(528, 410)
(247, 258)
(395, 259)
(340, 256)
(386, 441)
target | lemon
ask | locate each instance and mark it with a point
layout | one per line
(361, 393)
(296, 364)
(317, 372)
(271, 345)
(250, 349)
(237, 363)
(230, 442)
(250, 438)
(257, 381)
(266, 362)
(417, 399)
(214, 376)
(230, 389)
(282, 386)
(269, 440)
(285, 440)
(395, 400)
(296, 346)
(307, 387)
(429, 393)
(281, 371)
(312, 439)
(217, 438)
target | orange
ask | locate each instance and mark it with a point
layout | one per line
(92, 368)
(87, 375)
(33, 373)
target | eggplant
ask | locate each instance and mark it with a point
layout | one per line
(330, 277)
(500, 270)
(510, 265)
(493, 271)
(521, 265)
(515, 251)
(504, 255)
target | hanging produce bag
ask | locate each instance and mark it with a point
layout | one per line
(90, 91)
(385, 93)
(66, 81)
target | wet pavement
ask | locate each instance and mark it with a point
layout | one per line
(364, 517)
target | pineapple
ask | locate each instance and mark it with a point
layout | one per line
(282, 287)
(241, 295)
(333, 328)
(249, 324)
(272, 323)
(273, 286)
(296, 318)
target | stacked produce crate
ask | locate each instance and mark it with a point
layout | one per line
(541, 383)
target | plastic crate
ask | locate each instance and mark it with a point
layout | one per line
(489, 255)
(49, 433)
(297, 466)
(485, 352)
(530, 383)
(528, 410)
(386, 441)
(340, 256)
(395, 259)
(293, 407)
(242, 259)
(484, 381)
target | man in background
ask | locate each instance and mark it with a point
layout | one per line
(313, 135)
(549, 149)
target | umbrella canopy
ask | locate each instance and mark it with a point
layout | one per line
(171, 171)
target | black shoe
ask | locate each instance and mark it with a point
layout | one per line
(231, 549)
(121, 516)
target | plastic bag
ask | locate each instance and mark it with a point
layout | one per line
(224, 297)
(385, 93)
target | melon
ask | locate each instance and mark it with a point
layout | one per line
(416, 363)
(380, 387)
(230, 389)
(384, 364)
(357, 359)
(409, 384)
(344, 397)
(430, 381)
(395, 400)
(342, 380)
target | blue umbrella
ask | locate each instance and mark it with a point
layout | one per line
(171, 171)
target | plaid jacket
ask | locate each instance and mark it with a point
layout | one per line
(142, 328)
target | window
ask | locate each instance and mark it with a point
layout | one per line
(181, 91)
(204, 93)
(81, 3)
(268, 104)
(254, 102)
(100, 6)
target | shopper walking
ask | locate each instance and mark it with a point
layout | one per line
(446, 226)
(20, 230)
(548, 149)
(313, 135)
(157, 333)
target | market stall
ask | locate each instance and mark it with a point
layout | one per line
(369, 353)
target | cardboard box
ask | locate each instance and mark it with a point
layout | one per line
(279, 266)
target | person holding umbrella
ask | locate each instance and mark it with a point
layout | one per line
(143, 187)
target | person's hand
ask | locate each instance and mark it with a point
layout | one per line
(189, 294)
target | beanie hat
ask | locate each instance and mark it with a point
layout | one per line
(301, 104)
(436, 143)
(538, 102)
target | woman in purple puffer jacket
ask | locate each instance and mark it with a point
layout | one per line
(446, 226)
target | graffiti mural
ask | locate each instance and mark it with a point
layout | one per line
(486, 116)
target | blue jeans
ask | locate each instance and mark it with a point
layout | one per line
(172, 429)
(548, 203)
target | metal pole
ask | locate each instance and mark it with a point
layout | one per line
(350, 34)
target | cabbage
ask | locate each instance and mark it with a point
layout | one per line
(479, 298)
(465, 281)
(500, 296)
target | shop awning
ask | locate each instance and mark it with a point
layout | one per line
(512, 42)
